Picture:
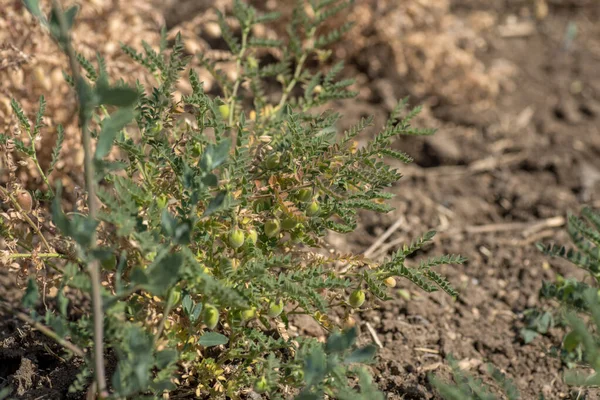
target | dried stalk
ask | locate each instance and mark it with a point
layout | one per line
(93, 266)
(43, 329)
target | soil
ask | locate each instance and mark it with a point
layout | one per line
(533, 154)
(496, 178)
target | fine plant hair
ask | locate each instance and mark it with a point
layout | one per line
(199, 240)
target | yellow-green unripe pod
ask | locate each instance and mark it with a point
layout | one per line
(252, 62)
(262, 204)
(357, 298)
(224, 111)
(236, 238)
(273, 161)
(313, 208)
(275, 309)
(252, 236)
(304, 195)
(272, 228)
(248, 314)
(175, 296)
(297, 236)
(162, 200)
(210, 316)
(298, 375)
(289, 223)
(261, 385)
(110, 263)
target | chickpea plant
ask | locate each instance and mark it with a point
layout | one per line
(578, 301)
(466, 387)
(210, 235)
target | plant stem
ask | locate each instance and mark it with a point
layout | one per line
(94, 265)
(43, 329)
(18, 207)
(27, 255)
(37, 163)
(41, 255)
(141, 167)
(166, 312)
(288, 89)
(238, 79)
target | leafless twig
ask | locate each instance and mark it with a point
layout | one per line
(374, 335)
(381, 239)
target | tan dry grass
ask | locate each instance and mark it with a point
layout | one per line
(434, 53)
(33, 67)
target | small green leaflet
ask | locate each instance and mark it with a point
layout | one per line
(31, 296)
(4, 393)
(362, 355)
(339, 342)
(160, 275)
(179, 232)
(80, 228)
(215, 204)
(215, 155)
(120, 96)
(55, 28)
(315, 367)
(193, 312)
(110, 127)
(34, 8)
(210, 339)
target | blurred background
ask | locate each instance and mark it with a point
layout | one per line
(513, 87)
